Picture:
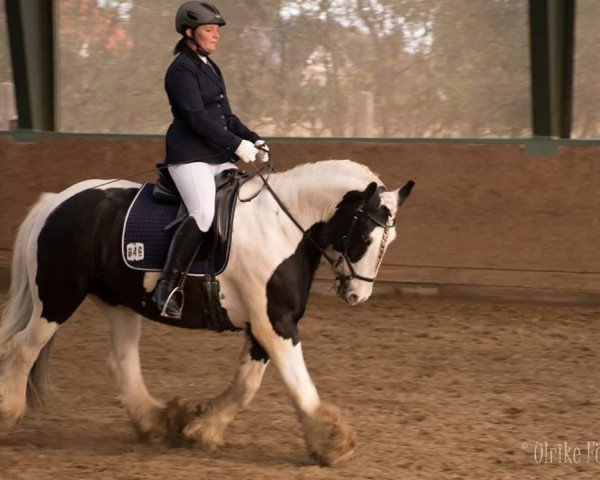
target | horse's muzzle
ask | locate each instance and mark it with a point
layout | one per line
(345, 291)
(352, 298)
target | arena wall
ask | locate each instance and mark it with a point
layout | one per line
(480, 214)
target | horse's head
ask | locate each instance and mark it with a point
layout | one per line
(358, 235)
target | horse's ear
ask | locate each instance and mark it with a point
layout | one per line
(370, 196)
(404, 192)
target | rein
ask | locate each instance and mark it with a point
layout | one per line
(344, 255)
(305, 233)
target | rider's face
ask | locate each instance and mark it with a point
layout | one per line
(207, 37)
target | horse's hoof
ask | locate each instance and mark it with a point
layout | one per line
(11, 414)
(204, 434)
(165, 425)
(329, 438)
(8, 423)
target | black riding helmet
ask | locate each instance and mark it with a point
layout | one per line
(193, 14)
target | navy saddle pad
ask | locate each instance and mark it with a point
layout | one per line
(146, 239)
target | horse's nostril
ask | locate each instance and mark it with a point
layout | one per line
(352, 298)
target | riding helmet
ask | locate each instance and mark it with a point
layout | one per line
(194, 14)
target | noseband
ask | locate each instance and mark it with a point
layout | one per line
(344, 256)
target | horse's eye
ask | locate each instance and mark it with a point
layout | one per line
(365, 237)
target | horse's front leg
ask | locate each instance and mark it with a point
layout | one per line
(328, 437)
(215, 415)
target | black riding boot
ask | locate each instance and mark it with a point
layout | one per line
(183, 246)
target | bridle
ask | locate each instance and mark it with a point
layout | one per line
(339, 275)
(346, 245)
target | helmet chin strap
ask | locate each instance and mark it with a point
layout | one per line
(199, 49)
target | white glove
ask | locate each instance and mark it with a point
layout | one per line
(263, 151)
(246, 151)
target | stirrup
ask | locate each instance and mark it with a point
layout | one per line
(177, 314)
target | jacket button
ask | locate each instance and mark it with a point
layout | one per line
(222, 116)
(221, 96)
(219, 105)
(224, 128)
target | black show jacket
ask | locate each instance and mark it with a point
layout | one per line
(204, 128)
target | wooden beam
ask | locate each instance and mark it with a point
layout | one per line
(31, 36)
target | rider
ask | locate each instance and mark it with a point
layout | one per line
(204, 139)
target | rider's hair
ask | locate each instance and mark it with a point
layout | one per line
(181, 46)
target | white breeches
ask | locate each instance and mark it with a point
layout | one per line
(196, 185)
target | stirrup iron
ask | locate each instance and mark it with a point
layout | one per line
(177, 314)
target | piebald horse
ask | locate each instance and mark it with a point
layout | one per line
(68, 248)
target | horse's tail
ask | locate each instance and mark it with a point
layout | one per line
(19, 309)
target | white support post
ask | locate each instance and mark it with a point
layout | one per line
(365, 115)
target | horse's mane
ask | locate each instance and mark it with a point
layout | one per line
(346, 173)
(320, 185)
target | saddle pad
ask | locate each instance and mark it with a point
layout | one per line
(145, 241)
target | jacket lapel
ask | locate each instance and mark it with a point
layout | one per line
(215, 68)
(207, 70)
(212, 73)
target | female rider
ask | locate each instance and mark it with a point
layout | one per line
(204, 139)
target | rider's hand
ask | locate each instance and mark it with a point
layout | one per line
(263, 151)
(246, 151)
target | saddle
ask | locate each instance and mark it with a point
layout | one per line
(156, 211)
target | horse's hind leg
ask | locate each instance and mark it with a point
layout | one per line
(152, 420)
(19, 352)
(216, 414)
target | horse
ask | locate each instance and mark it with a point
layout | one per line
(68, 248)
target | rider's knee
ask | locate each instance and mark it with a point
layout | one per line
(203, 219)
